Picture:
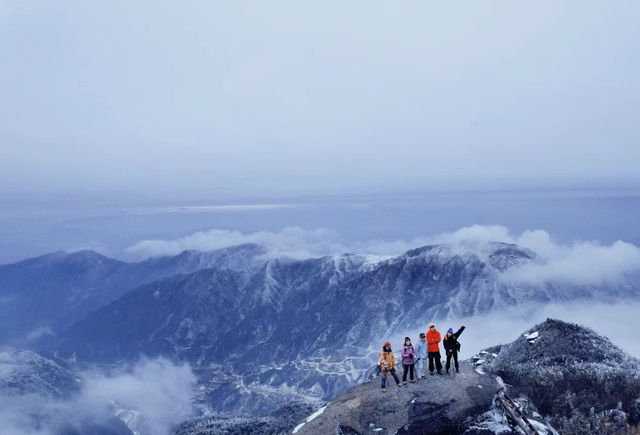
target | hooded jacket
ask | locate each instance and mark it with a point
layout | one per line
(433, 339)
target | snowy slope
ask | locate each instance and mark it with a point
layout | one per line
(575, 377)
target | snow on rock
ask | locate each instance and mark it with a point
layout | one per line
(310, 418)
(531, 338)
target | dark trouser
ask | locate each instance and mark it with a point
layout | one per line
(434, 356)
(409, 368)
(454, 354)
(384, 376)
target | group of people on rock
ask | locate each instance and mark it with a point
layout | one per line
(429, 348)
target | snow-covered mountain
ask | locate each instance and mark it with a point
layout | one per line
(45, 294)
(575, 377)
(302, 328)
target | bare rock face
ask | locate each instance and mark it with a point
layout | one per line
(436, 404)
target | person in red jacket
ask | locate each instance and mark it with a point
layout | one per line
(433, 341)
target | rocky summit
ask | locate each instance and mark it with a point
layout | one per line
(435, 404)
(576, 378)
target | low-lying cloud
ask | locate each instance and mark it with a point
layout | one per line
(152, 397)
(579, 263)
(294, 242)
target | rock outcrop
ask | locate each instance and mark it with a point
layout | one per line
(436, 404)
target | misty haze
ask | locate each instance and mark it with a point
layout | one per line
(332, 218)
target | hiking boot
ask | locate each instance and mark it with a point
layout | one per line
(440, 372)
(447, 371)
(431, 373)
(457, 370)
(384, 390)
(404, 382)
(413, 380)
(399, 384)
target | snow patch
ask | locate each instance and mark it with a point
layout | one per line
(531, 338)
(310, 418)
(492, 421)
(317, 413)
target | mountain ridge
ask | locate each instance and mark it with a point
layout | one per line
(44, 295)
(306, 317)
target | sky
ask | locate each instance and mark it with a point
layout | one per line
(228, 100)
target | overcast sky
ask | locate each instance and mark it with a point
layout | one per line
(270, 98)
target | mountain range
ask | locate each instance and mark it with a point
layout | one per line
(260, 331)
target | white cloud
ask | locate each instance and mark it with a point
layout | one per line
(157, 392)
(158, 389)
(475, 234)
(294, 242)
(583, 263)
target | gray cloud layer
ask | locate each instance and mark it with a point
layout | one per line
(225, 98)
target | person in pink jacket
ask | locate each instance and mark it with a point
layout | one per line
(408, 360)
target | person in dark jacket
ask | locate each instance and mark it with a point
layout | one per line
(452, 347)
(408, 360)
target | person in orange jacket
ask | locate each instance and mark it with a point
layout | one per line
(433, 341)
(388, 365)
